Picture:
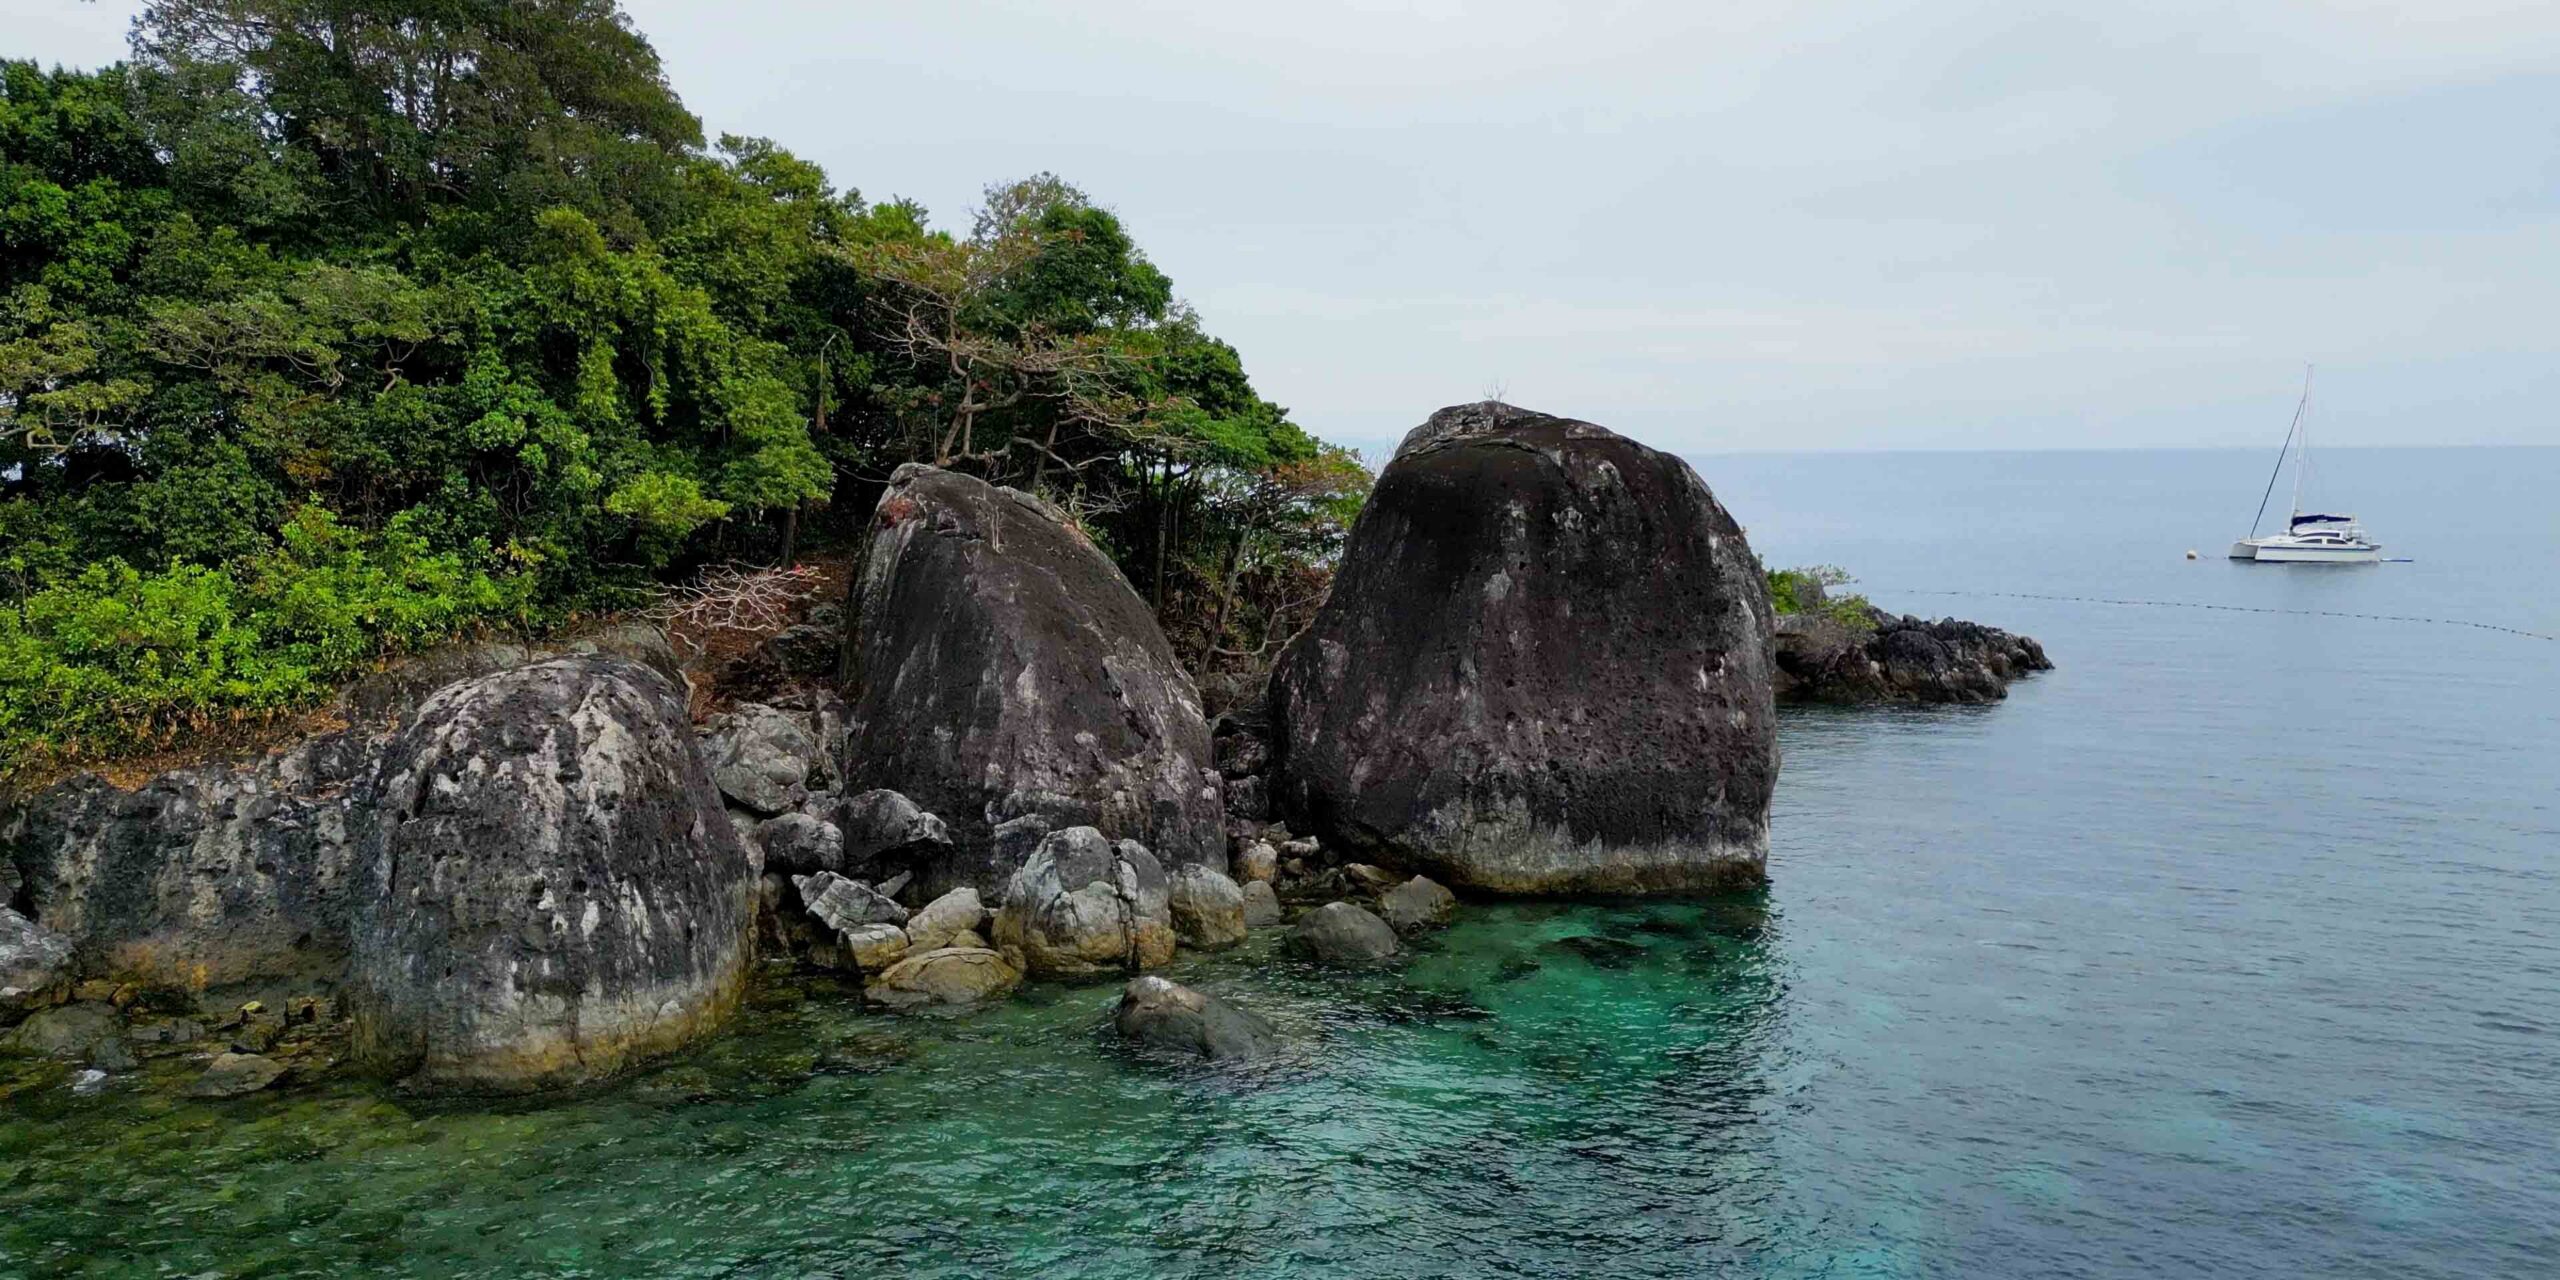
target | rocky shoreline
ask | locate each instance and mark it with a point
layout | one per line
(1882, 658)
(1549, 666)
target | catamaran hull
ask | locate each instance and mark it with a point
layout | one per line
(2305, 555)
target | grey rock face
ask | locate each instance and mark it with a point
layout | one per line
(551, 889)
(1243, 755)
(1418, 905)
(885, 829)
(1208, 909)
(1544, 668)
(797, 844)
(202, 878)
(950, 976)
(1261, 904)
(760, 756)
(1248, 799)
(1167, 1015)
(846, 904)
(234, 1074)
(1340, 933)
(1083, 905)
(33, 960)
(1000, 666)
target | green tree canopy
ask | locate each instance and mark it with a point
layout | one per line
(330, 327)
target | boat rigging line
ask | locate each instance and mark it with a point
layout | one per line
(2299, 408)
(2242, 608)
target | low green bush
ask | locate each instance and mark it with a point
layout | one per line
(1807, 588)
(116, 658)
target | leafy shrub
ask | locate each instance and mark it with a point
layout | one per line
(1807, 589)
(116, 658)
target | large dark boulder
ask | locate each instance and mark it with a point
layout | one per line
(1544, 668)
(1001, 668)
(548, 886)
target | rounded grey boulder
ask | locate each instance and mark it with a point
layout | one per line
(761, 757)
(1544, 667)
(1163, 1014)
(797, 844)
(1000, 667)
(1083, 905)
(1261, 904)
(549, 889)
(1417, 906)
(33, 960)
(949, 976)
(1340, 933)
(1208, 909)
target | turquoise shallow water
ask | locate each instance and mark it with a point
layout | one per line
(2230, 948)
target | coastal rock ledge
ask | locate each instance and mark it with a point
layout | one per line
(1878, 657)
(1545, 668)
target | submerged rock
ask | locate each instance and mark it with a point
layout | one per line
(1343, 934)
(235, 1074)
(82, 1032)
(1000, 666)
(1417, 906)
(1208, 909)
(1085, 905)
(950, 976)
(1544, 668)
(550, 887)
(1167, 1015)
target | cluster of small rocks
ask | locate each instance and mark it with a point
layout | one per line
(107, 1029)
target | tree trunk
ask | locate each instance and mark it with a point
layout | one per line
(791, 537)
(1164, 522)
(1226, 594)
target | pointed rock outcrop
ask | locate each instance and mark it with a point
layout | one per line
(1545, 667)
(1001, 669)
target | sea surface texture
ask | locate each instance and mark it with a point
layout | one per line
(2232, 947)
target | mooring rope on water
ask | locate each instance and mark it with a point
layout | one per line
(2243, 608)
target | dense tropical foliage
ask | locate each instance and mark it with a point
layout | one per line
(329, 328)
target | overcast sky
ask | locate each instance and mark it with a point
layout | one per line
(1738, 224)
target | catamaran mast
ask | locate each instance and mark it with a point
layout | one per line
(2302, 445)
(2300, 407)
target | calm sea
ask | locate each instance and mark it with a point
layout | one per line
(2232, 947)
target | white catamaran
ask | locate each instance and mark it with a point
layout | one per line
(2308, 537)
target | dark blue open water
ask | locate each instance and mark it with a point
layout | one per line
(2230, 948)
